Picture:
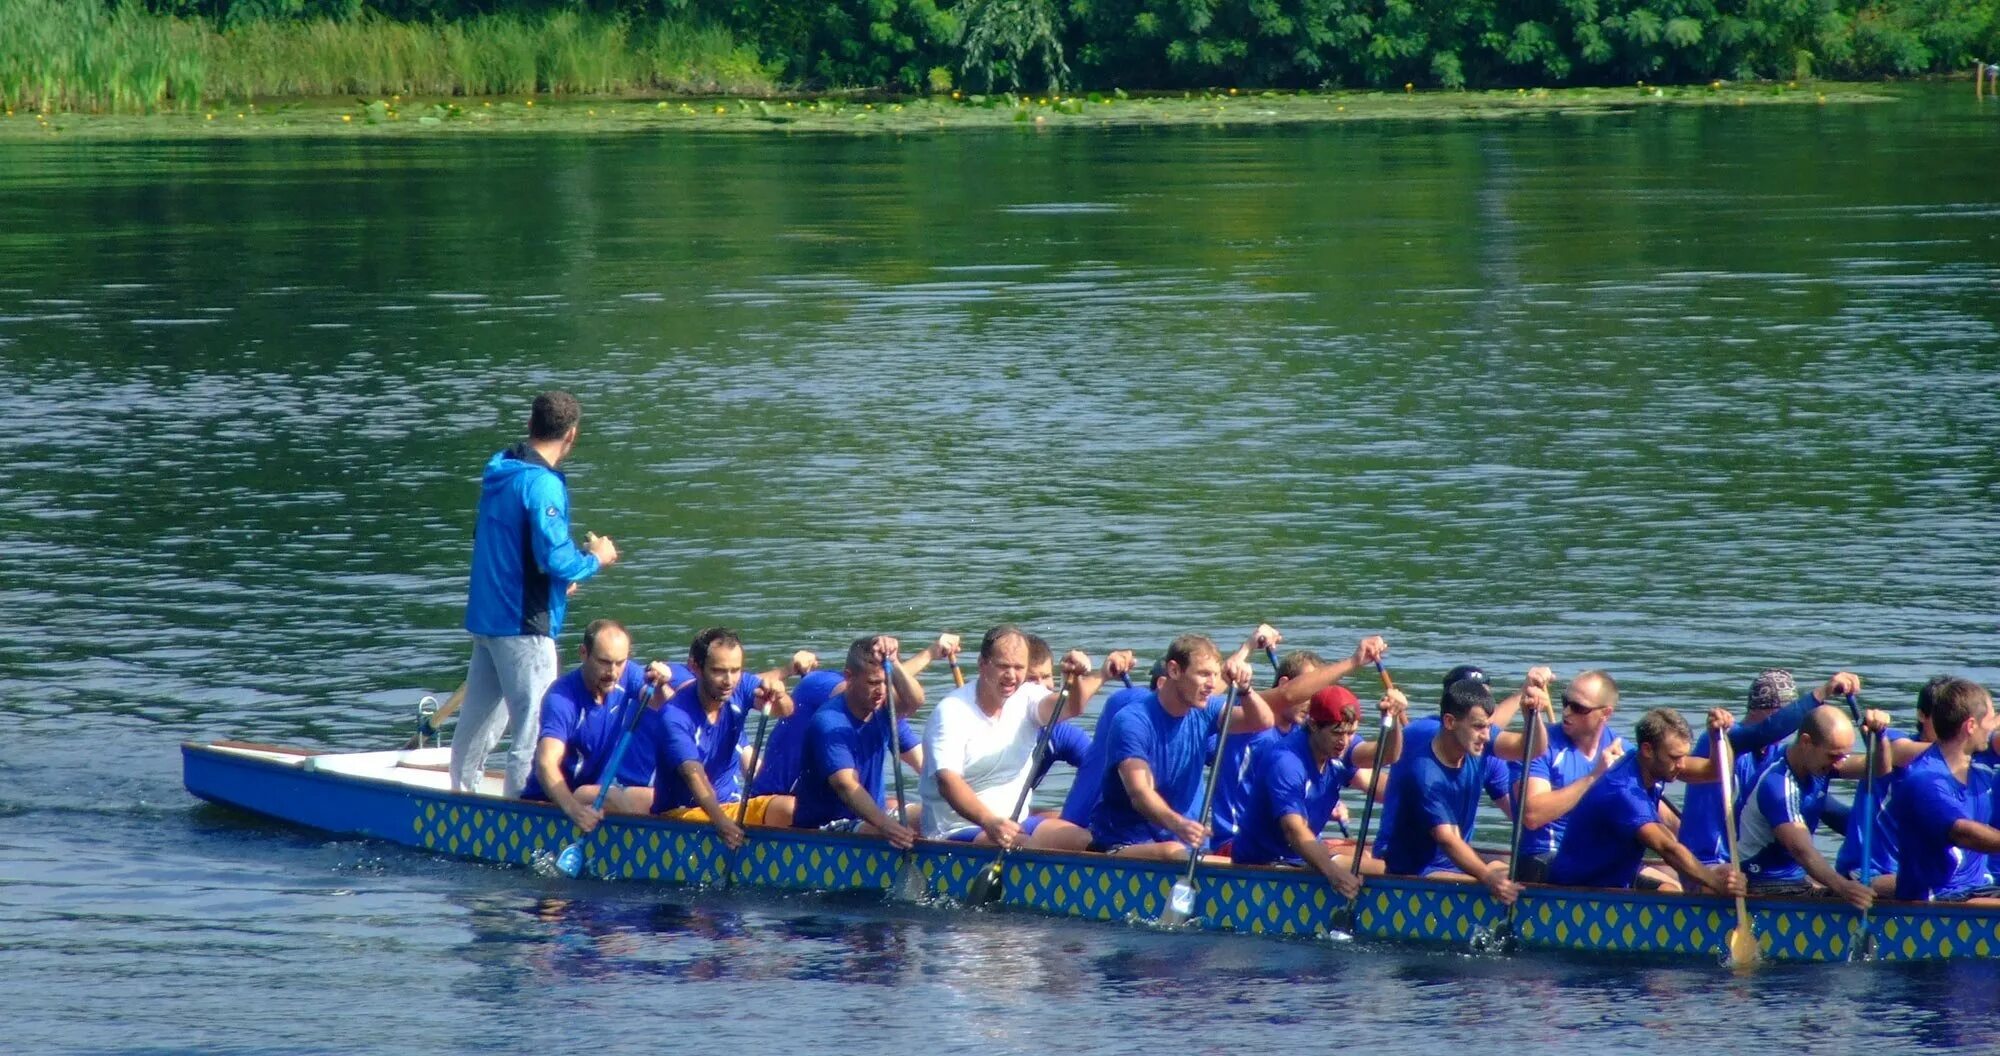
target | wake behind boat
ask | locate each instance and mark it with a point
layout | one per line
(405, 797)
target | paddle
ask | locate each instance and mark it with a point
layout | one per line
(1180, 903)
(910, 879)
(986, 887)
(957, 673)
(1514, 840)
(743, 802)
(1368, 805)
(1864, 940)
(570, 861)
(429, 724)
(1743, 952)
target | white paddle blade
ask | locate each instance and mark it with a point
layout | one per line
(1181, 902)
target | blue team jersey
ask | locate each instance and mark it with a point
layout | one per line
(1498, 774)
(834, 741)
(1882, 843)
(1701, 809)
(784, 743)
(1925, 805)
(1286, 779)
(778, 769)
(1174, 747)
(589, 730)
(1602, 847)
(1428, 794)
(1068, 743)
(1563, 764)
(1989, 758)
(1777, 795)
(1088, 785)
(1232, 785)
(679, 732)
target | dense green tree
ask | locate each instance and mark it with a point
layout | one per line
(898, 44)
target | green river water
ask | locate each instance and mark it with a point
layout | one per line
(1682, 394)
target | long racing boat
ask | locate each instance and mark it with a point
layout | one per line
(405, 797)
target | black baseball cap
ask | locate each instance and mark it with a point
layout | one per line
(1462, 673)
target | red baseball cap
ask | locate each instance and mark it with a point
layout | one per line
(1334, 706)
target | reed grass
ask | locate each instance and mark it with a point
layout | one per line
(79, 55)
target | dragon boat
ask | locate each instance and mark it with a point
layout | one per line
(405, 797)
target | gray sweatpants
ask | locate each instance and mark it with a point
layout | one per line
(503, 695)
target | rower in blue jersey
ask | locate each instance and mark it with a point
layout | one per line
(1296, 783)
(582, 715)
(1944, 808)
(1068, 742)
(1498, 777)
(778, 771)
(1436, 793)
(1578, 754)
(1157, 749)
(1907, 751)
(1069, 830)
(1773, 713)
(1288, 697)
(1779, 810)
(1618, 821)
(846, 744)
(690, 741)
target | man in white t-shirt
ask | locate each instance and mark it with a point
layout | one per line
(979, 743)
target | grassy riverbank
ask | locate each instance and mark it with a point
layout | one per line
(78, 55)
(434, 116)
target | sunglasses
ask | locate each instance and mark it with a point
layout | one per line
(1577, 707)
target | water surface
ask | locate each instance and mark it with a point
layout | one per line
(1679, 393)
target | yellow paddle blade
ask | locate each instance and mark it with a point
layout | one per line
(1743, 952)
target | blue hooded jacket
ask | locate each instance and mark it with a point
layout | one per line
(523, 560)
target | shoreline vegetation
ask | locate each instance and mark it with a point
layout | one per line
(194, 57)
(400, 116)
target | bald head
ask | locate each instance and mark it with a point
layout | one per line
(1827, 723)
(1826, 738)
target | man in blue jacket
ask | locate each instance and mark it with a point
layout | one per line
(523, 566)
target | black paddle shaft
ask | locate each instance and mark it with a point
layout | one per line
(749, 775)
(1521, 801)
(1042, 741)
(984, 885)
(895, 742)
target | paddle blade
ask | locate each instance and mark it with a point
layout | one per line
(910, 885)
(1743, 952)
(1180, 904)
(570, 861)
(985, 888)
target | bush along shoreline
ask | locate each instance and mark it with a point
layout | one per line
(125, 56)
